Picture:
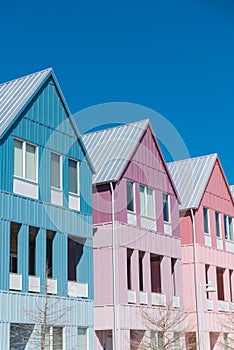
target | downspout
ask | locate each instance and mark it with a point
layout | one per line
(195, 276)
(113, 267)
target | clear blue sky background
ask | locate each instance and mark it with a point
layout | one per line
(176, 57)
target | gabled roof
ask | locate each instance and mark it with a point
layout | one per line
(112, 149)
(16, 94)
(191, 177)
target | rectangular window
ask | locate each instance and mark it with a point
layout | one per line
(129, 268)
(177, 336)
(166, 208)
(226, 341)
(155, 270)
(217, 224)
(228, 227)
(73, 176)
(56, 173)
(153, 340)
(206, 220)
(14, 247)
(220, 284)
(173, 264)
(82, 339)
(141, 280)
(32, 250)
(49, 252)
(75, 253)
(230, 284)
(57, 338)
(160, 340)
(146, 201)
(207, 277)
(25, 160)
(130, 196)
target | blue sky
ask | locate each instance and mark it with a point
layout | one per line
(174, 57)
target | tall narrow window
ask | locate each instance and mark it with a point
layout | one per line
(206, 219)
(207, 277)
(25, 160)
(177, 336)
(153, 340)
(129, 268)
(75, 252)
(228, 227)
(146, 201)
(73, 176)
(141, 280)
(130, 196)
(230, 284)
(155, 261)
(32, 250)
(160, 340)
(166, 208)
(56, 171)
(49, 252)
(217, 224)
(14, 247)
(173, 264)
(82, 339)
(220, 284)
(57, 338)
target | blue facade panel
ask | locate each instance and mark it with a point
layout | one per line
(40, 227)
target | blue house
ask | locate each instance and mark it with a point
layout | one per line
(46, 259)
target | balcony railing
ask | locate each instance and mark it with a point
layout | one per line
(143, 298)
(132, 296)
(158, 299)
(223, 305)
(15, 281)
(76, 289)
(34, 284)
(176, 301)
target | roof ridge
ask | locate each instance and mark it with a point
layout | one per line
(115, 127)
(26, 76)
(193, 158)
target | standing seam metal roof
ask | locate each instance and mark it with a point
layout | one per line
(111, 149)
(191, 177)
(15, 94)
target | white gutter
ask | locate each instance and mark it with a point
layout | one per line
(115, 347)
(196, 278)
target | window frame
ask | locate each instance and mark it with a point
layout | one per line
(78, 177)
(208, 221)
(219, 223)
(86, 334)
(227, 235)
(133, 196)
(24, 145)
(60, 171)
(168, 207)
(145, 214)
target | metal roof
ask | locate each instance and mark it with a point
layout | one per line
(191, 177)
(111, 149)
(16, 93)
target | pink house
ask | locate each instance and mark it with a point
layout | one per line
(137, 248)
(206, 226)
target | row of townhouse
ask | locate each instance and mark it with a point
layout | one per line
(97, 232)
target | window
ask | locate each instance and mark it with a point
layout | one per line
(49, 252)
(166, 208)
(141, 280)
(206, 220)
(153, 340)
(155, 269)
(82, 339)
(56, 173)
(173, 275)
(25, 160)
(129, 268)
(75, 253)
(177, 337)
(54, 338)
(14, 247)
(160, 340)
(228, 227)
(32, 250)
(217, 224)
(220, 284)
(207, 278)
(130, 196)
(146, 201)
(73, 176)
(20, 335)
(226, 341)
(230, 284)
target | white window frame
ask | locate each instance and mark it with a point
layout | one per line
(87, 335)
(169, 207)
(78, 177)
(51, 337)
(226, 225)
(133, 194)
(145, 201)
(23, 177)
(208, 219)
(220, 225)
(60, 170)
